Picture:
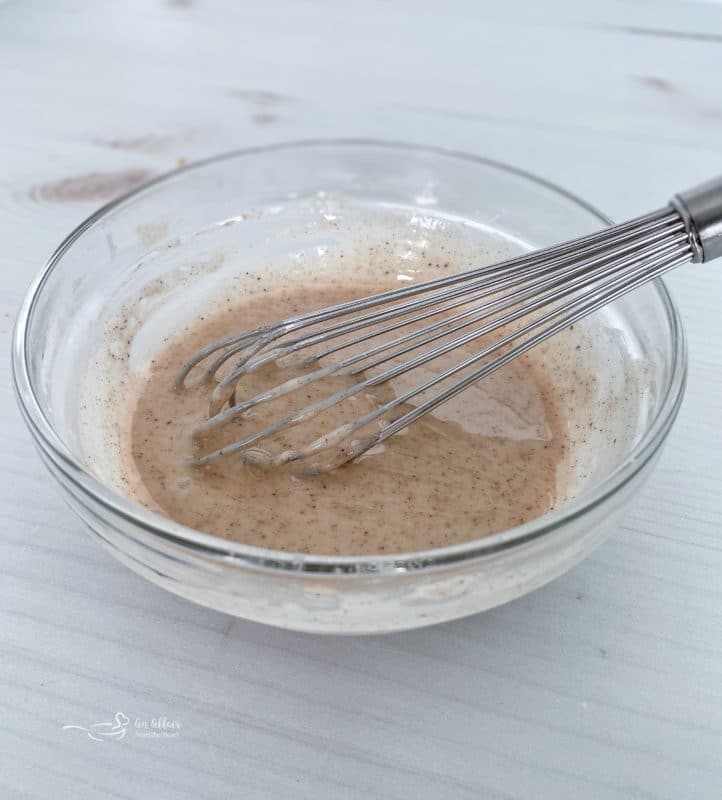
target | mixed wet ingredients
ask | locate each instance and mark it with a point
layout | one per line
(484, 462)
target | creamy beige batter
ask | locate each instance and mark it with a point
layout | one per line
(482, 463)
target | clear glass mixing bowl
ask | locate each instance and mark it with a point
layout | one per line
(180, 218)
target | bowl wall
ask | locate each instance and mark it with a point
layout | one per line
(260, 209)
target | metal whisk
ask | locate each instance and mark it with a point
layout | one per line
(525, 299)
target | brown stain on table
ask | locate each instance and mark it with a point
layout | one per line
(656, 83)
(259, 97)
(91, 187)
(707, 108)
(264, 104)
(662, 33)
(150, 143)
(264, 118)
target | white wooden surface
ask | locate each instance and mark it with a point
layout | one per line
(605, 684)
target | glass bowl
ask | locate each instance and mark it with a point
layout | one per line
(243, 203)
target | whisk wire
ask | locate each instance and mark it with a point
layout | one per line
(342, 432)
(531, 267)
(376, 356)
(548, 256)
(468, 292)
(671, 254)
(523, 301)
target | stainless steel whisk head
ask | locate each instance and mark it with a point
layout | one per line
(524, 300)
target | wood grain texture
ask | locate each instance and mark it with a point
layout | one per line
(606, 683)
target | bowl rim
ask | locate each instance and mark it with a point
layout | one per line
(267, 559)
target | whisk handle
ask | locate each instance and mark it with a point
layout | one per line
(701, 210)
